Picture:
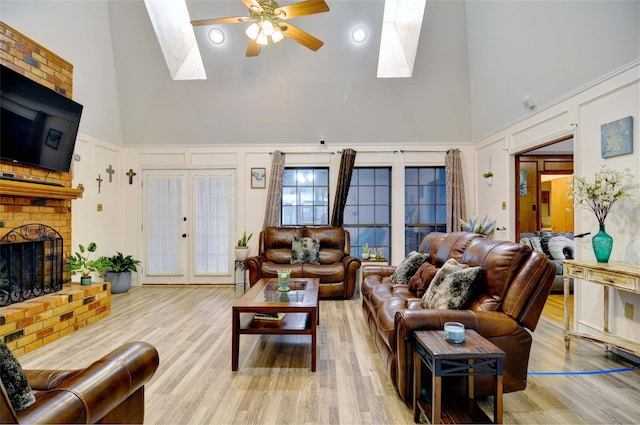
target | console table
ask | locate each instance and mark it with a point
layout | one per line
(614, 275)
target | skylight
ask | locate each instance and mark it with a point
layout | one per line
(172, 25)
(401, 26)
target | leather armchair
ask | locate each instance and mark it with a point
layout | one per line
(337, 270)
(111, 390)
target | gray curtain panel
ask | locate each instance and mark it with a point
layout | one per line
(347, 161)
(274, 196)
(456, 208)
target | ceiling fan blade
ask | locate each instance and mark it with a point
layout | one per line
(253, 49)
(309, 7)
(233, 20)
(251, 3)
(302, 37)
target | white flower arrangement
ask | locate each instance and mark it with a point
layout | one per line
(486, 226)
(608, 187)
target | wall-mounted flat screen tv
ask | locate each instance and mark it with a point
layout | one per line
(38, 126)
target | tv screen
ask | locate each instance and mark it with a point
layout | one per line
(37, 125)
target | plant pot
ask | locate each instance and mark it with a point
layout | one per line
(85, 280)
(242, 252)
(120, 281)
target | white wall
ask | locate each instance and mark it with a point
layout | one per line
(79, 32)
(118, 226)
(543, 49)
(614, 97)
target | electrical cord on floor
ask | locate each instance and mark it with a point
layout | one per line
(589, 372)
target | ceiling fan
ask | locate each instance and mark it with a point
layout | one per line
(269, 22)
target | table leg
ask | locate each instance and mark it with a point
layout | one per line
(436, 399)
(416, 386)
(497, 401)
(314, 320)
(235, 340)
(567, 311)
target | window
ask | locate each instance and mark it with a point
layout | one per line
(367, 214)
(425, 204)
(305, 196)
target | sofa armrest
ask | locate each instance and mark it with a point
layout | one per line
(88, 395)
(351, 266)
(254, 265)
(486, 323)
(382, 271)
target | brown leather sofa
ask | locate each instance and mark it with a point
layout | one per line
(111, 390)
(336, 271)
(517, 282)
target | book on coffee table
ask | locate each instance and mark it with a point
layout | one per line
(269, 316)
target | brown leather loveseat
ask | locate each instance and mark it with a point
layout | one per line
(516, 282)
(336, 271)
(111, 390)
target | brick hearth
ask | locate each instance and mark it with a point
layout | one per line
(30, 324)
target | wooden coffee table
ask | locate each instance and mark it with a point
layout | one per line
(300, 306)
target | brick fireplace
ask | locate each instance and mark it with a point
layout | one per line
(28, 325)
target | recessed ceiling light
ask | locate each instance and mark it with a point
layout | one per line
(216, 36)
(359, 34)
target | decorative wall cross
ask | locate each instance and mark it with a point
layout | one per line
(99, 180)
(110, 171)
(130, 174)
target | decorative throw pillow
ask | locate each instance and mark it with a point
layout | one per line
(408, 267)
(421, 280)
(305, 250)
(453, 287)
(14, 380)
(558, 245)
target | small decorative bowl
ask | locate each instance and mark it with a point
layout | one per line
(454, 332)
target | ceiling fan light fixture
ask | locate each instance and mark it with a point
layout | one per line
(267, 27)
(252, 31)
(262, 39)
(277, 35)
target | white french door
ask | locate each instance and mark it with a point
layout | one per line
(187, 226)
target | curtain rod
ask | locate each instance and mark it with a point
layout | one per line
(400, 150)
(301, 153)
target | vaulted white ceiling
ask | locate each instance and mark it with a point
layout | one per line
(475, 63)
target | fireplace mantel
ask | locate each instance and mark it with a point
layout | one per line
(37, 190)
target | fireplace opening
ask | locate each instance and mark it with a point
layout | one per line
(31, 263)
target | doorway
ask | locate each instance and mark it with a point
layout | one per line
(188, 216)
(543, 177)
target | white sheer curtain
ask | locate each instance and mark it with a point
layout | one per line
(212, 224)
(164, 221)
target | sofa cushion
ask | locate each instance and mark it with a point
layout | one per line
(559, 247)
(408, 267)
(14, 380)
(452, 287)
(305, 250)
(420, 281)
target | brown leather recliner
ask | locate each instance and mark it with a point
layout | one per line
(337, 269)
(517, 282)
(111, 390)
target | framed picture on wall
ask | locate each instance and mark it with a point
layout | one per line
(258, 178)
(616, 137)
(53, 138)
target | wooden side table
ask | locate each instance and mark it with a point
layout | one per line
(475, 356)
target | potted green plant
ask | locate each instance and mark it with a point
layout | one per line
(242, 248)
(119, 272)
(82, 264)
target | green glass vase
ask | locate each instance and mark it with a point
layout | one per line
(602, 243)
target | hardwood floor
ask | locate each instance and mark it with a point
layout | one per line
(191, 328)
